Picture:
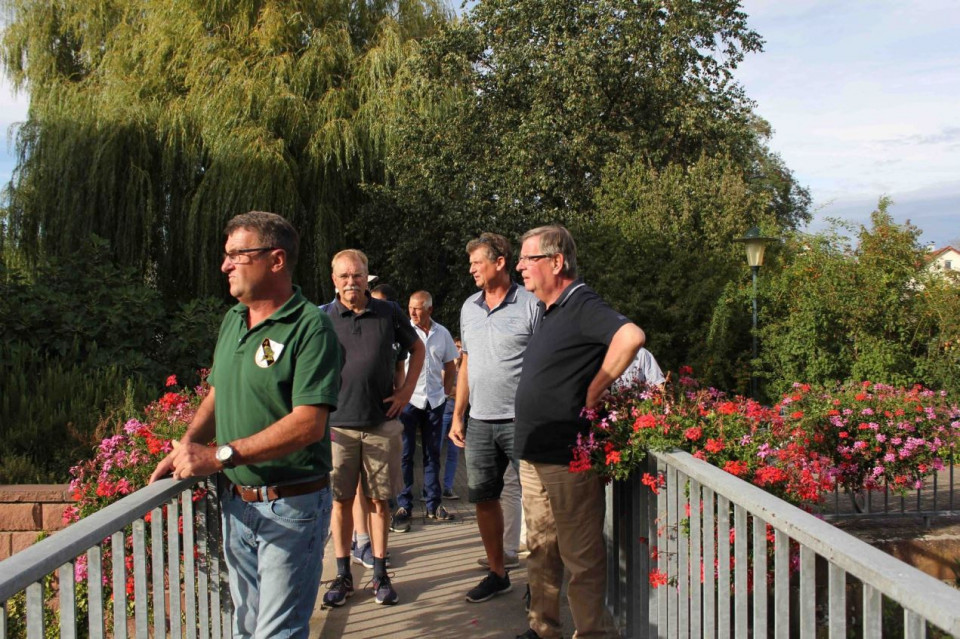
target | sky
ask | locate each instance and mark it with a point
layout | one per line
(864, 100)
(863, 97)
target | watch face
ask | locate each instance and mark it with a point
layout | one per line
(224, 453)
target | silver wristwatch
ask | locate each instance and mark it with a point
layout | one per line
(226, 455)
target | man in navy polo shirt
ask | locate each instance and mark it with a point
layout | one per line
(366, 433)
(580, 347)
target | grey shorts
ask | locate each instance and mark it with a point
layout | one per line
(488, 450)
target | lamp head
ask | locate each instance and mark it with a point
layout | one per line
(755, 244)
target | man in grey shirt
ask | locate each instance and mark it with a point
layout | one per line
(495, 326)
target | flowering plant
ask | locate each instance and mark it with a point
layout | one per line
(875, 434)
(798, 449)
(123, 461)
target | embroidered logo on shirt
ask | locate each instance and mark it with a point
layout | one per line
(268, 353)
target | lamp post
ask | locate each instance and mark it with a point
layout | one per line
(755, 244)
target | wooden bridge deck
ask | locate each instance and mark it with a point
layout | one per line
(433, 567)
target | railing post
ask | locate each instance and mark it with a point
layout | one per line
(118, 551)
(173, 566)
(68, 601)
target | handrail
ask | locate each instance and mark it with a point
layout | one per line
(46, 556)
(913, 589)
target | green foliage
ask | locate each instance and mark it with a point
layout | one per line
(83, 339)
(835, 312)
(619, 119)
(665, 237)
(153, 123)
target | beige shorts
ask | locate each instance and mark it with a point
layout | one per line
(370, 456)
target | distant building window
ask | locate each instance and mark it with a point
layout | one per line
(947, 264)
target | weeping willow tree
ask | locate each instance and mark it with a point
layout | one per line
(152, 123)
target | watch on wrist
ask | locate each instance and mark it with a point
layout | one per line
(226, 455)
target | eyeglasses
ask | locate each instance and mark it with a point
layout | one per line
(533, 258)
(245, 256)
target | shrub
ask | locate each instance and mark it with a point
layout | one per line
(855, 436)
(84, 340)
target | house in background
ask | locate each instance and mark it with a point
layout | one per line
(944, 260)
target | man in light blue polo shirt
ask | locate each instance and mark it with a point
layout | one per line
(424, 412)
(495, 326)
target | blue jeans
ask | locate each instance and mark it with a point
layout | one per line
(453, 451)
(429, 421)
(489, 448)
(274, 552)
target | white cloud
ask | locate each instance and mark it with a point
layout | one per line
(862, 97)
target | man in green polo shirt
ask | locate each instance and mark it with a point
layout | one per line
(275, 379)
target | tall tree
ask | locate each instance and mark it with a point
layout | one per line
(608, 115)
(833, 310)
(152, 123)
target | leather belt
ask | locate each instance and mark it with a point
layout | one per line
(270, 493)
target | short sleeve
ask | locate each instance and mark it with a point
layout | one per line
(651, 370)
(316, 377)
(463, 333)
(599, 322)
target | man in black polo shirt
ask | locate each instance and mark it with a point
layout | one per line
(579, 348)
(366, 434)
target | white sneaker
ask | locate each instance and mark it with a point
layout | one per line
(510, 561)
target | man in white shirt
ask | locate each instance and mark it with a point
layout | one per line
(425, 411)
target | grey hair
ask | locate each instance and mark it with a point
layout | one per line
(555, 239)
(353, 254)
(425, 296)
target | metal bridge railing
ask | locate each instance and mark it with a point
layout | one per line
(155, 554)
(938, 497)
(713, 556)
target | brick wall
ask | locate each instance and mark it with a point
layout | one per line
(28, 510)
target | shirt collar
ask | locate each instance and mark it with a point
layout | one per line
(343, 311)
(509, 298)
(289, 307)
(572, 288)
(433, 327)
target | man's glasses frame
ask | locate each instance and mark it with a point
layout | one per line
(245, 256)
(533, 258)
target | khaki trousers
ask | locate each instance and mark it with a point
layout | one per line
(564, 514)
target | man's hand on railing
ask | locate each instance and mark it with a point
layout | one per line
(187, 460)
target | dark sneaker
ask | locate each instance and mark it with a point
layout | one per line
(491, 586)
(400, 522)
(384, 591)
(529, 634)
(363, 555)
(339, 590)
(510, 561)
(440, 513)
(449, 494)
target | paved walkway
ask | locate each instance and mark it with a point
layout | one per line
(433, 567)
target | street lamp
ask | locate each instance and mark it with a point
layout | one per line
(755, 244)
